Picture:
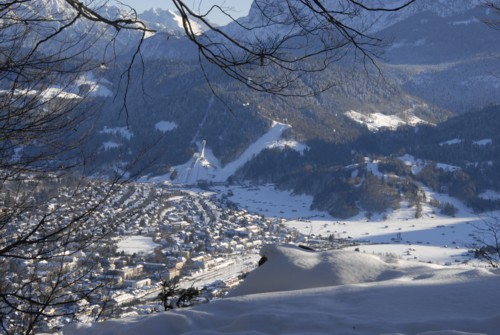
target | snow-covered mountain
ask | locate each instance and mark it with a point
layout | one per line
(428, 38)
(450, 60)
(168, 21)
(335, 292)
(272, 18)
(440, 50)
(58, 15)
(94, 38)
(441, 8)
(169, 42)
(428, 76)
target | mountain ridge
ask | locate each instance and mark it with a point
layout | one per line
(173, 90)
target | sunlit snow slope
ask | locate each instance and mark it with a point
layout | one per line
(335, 292)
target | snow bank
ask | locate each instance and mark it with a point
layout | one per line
(334, 292)
(292, 268)
(310, 269)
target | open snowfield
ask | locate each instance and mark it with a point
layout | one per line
(266, 200)
(407, 276)
(432, 238)
(335, 292)
(136, 244)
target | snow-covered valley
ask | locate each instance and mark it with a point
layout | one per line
(431, 238)
(403, 276)
(152, 185)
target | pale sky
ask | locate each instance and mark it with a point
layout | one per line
(236, 8)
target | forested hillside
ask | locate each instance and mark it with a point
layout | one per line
(378, 170)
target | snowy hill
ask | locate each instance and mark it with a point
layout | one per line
(335, 292)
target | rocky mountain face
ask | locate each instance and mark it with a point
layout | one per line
(169, 22)
(93, 39)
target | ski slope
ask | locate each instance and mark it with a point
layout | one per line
(204, 166)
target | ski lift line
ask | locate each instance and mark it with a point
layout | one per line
(202, 123)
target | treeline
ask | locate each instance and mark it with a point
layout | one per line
(459, 157)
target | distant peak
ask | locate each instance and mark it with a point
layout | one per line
(172, 12)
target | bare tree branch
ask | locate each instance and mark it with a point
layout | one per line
(290, 39)
(494, 7)
(45, 117)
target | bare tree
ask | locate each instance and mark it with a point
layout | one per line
(494, 6)
(169, 290)
(172, 296)
(49, 233)
(288, 40)
(487, 234)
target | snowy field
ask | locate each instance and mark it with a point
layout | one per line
(136, 245)
(335, 292)
(268, 201)
(384, 285)
(431, 238)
